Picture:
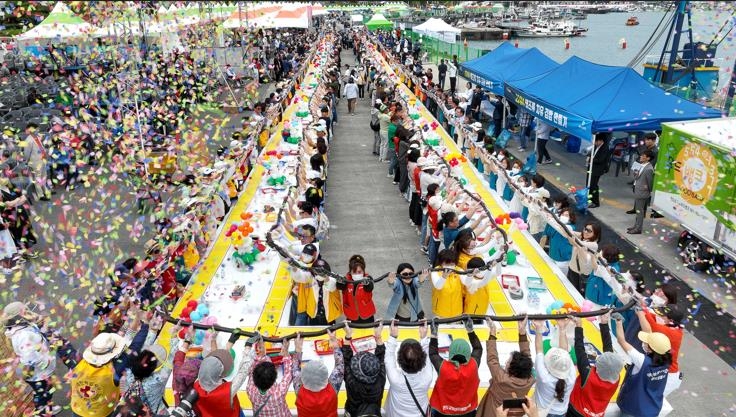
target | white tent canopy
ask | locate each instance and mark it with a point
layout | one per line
(60, 23)
(356, 18)
(438, 29)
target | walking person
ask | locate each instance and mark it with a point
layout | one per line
(597, 168)
(361, 83)
(452, 74)
(541, 132)
(525, 124)
(441, 73)
(643, 183)
(35, 156)
(350, 91)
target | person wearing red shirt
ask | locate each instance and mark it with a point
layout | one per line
(668, 323)
(357, 299)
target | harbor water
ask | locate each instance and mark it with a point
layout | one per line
(602, 42)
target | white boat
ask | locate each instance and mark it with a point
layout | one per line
(550, 29)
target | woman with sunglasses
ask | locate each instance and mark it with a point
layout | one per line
(405, 304)
(584, 248)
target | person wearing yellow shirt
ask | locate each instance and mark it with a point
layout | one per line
(447, 290)
(475, 286)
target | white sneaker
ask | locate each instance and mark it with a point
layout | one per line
(390, 176)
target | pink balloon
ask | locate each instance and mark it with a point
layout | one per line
(523, 226)
(587, 305)
(210, 320)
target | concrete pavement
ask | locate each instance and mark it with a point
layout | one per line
(367, 214)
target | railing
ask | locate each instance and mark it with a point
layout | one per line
(438, 49)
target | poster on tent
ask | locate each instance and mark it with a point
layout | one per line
(692, 184)
(564, 120)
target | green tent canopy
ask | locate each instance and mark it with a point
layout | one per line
(378, 21)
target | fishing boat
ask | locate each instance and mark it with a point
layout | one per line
(632, 21)
(551, 29)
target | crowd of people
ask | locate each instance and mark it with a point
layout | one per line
(124, 372)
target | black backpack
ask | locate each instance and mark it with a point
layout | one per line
(375, 124)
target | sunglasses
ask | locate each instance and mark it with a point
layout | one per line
(406, 274)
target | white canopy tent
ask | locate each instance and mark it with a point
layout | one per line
(438, 29)
(61, 23)
(356, 18)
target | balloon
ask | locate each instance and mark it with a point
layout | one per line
(210, 320)
(514, 215)
(203, 310)
(523, 226)
(182, 333)
(587, 305)
(510, 257)
(198, 337)
(192, 304)
(195, 316)
(186, 312)
(557, 304)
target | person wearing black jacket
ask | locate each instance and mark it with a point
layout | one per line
(475, 102)
(601, 161)
(365, 377)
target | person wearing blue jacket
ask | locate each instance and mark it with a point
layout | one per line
(596, 289)
(560, 249)
(405, 303)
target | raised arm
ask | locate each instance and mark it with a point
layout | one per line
(644, 321)
(492, 351)
(523, 340)
(582, 357)
(621, 336)
(434, 353)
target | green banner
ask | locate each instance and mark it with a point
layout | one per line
(694, 182)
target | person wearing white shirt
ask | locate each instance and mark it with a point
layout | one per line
(555, 372)
(350, 91)
(452, 73)
(408, 373)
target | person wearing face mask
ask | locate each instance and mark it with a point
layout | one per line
(669, 323)
(475, 286)
(317, 299)
(524, 187)
(508, 191)
(663, 296)
(447, 292)
(464, 246)
(405, 303)
(496, 180)
(560, 249)
(642, 390)
(357, 299)
(584, 246)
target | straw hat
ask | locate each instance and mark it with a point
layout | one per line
(104, 348)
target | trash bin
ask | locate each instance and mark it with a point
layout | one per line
(572, 144)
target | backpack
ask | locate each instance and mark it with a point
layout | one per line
(375, 124)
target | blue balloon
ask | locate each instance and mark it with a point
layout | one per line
(557, 304)
(198, 337)
(203, 310)
(195, 316)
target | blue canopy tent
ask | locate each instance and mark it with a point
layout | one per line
(506, 63)
(583, 98)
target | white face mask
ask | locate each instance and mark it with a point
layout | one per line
(307, 259)
(515, 170)
(357, 277)
(480, 275)
(565, 219)
(657, 301)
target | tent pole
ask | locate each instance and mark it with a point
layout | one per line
(590, 166)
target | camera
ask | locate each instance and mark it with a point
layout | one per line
(184, 409)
